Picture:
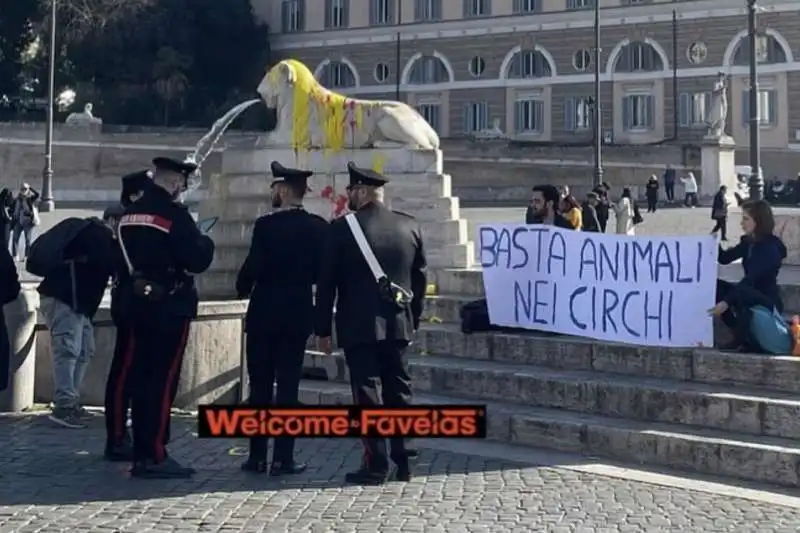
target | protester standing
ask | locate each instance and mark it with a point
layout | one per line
(278, 277)
(690, 190)
(374, 268)
(571, 210)
(545, 208)
(719, 213)
(119, 446)
(603, 206)
(25, 216)
(624, 211)
(762, 254)
(71, 293)
(162, 249)
(590, 221)
(651, 192)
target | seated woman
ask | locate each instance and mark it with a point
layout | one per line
(761, 253)
(572, 211)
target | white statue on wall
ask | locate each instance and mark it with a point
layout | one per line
(310, 116)
(718, 113)
(493, 133)
(85, 118)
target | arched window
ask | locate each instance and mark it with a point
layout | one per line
(427, 70)
(530, 64)
(337, 75)
(768, 50)
(638, 56)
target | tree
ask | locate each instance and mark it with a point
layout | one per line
(17, 34)
(169, 77)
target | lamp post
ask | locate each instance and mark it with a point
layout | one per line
(47, 203)
(597, 109)
(397, 51)
(756, 181)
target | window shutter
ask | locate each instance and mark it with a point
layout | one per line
(372, 20)
(745, 107)
(487, 7)
(484, 116)
(538, 115)
(301, 15)
(285, 17)
(391, 16)
(650, 106)
(685, 109)
(467, 11)
(570, 4)
(468, 113)
(707, 105)
(772, 99)
(436, 9)
(517, 7)
(626, 113)
(515, 68)
(570, 114)
(346, 13)
(418, 10)
(435, 117)
(328, 13)
(519, 120)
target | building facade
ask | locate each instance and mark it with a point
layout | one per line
(527, 66)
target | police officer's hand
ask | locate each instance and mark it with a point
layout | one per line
(325, 345)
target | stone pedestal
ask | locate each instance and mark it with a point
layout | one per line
(718, 166)
(241, 193)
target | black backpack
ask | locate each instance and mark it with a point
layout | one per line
(47, 251)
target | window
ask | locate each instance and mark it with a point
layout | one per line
(337, 75)
(381, 12)
(476, 66)
(381, 72)
(428, 69)
(768, 50)
(638, 57)
(582, 60)
(522, 7)
(767, 107)
(578, 113)
(580, 4)
(427, 10)
(693, 108)
(336, 14)
(431, 112)
(528, 116)
(477, 8)
(638, 112)
(476, 117)
(293, 14)
(530, 64)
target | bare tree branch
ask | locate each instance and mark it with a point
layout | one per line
(79, 17)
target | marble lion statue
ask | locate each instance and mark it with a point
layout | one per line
(311, 116)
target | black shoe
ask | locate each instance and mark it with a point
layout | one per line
(167, 469)
(118, 453)
(287, 468)
(412, 454)
(366, 476)
(254, 466)
(403, 473)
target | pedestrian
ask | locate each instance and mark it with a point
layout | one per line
(651, 191)
(25, 216)
(119, 445)
(603, 207)
(624, 211)
(590, 221)
(9, 290)
(719, 213)
(669, 183)
(571, 210)
(71, 293)
(690, 190)
(6, 217)
(162, 249)
(374, 268)
(278, 277)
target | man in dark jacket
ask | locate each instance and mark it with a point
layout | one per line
(544, 208)
(603, 207)
(162, 249)
(71, 295)
(117, 399)
(377, 312)
(278, 276)
(589, 214)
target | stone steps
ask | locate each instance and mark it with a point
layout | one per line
(747, 411)
(760, 459)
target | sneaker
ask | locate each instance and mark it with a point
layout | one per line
(81, 412)
(66, 417)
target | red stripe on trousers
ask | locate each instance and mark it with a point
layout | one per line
(122, 379)
(166, 400)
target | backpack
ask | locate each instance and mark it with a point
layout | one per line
(637, 215)
(769, 332)
(47, 251)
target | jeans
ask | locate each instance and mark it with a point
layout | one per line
(18, 230)
(72, 340)
(690, 199)
(721, 225)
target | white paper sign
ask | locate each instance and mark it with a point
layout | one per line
(653, 291)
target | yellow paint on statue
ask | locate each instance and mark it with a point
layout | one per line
(378, 162)
(339, 113)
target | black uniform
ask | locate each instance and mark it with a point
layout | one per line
(117, 401)
(159, 299)
(373, 334)
(278, 276)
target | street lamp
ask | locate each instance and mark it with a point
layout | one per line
(756, 181)
(397, 51)
(47, 203)
(597, 108)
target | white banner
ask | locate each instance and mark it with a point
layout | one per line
(653, 291)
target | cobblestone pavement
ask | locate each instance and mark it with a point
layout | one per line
(54, 481)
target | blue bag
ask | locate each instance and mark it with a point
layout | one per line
(769, 331)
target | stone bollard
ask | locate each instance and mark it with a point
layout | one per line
(21, 316)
